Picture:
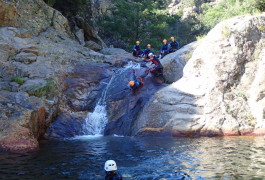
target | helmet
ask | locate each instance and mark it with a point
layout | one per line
(131, 83)
(137, 42)
(164, 40)
(110, 165)
(150, 54)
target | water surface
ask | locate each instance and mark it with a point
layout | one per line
(140, 158)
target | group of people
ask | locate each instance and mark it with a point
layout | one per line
(157, 68)
(165, 49)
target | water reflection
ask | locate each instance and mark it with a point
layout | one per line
(230, 157)
(140, 158)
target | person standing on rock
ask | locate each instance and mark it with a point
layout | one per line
(111, 171)
(138, 80)
(164, 50)
(174, 45)
(137, 50)
(147, 51)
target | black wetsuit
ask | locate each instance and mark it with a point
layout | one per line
(138, 81)
(158, 66)
(113, 175)
(174, 46)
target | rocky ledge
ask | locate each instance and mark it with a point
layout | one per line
(222, 90)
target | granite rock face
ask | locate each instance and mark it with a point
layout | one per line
(22, 121)
(34, 16)
(174, 63)
(52, 71)
(222, 89)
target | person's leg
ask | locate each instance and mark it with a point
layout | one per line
(140, 53)
(163, 55)
(144, 75)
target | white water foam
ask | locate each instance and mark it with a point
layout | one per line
(96, 121)
(85, 137)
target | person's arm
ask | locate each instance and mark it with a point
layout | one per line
(147, 60)
(133, 49)
(178, 45)
(144, 75)
(168, 47)
(161, 49)
(134, 74)
(120, 176)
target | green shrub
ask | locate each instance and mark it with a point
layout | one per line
(200, 37)
(260, 4)
(143, 20)
(49, 90)
(18, 80)
(228, 9)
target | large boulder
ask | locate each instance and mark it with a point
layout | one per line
(222, 90)
(81, 88)
(174, 63)
(33, 15)
(117, 56)
(95, 9)
(22, 121)
(51, 69)
(89, 33)
(123, 104)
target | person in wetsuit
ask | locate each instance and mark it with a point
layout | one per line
(174, 45)
(164, 50)
(137, 52)
(111, 171)
(158, 66)
(138, 81)
(147, 51)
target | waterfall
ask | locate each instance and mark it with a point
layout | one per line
(96, 121)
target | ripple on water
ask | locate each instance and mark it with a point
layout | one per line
(140, 158)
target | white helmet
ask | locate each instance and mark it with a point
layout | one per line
(150, 54)
(110, 165)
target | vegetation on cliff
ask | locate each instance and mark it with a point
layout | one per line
(212, 15)
(149, 20)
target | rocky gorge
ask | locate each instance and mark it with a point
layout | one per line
(222, 89)
(51, 77)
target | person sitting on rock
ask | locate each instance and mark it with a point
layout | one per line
(174, 45)
(147, 51)
(111, 171)
(158, 66)
(138, 81)
(164, 50)
(137, 52)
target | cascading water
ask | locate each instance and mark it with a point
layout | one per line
(96, 121)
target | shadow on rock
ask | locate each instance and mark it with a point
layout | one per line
(124, 105)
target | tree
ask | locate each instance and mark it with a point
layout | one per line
(144, 20)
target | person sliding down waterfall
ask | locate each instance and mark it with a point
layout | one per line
(111, 171)
(157, 69)
(138, 80)
(137, 52)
